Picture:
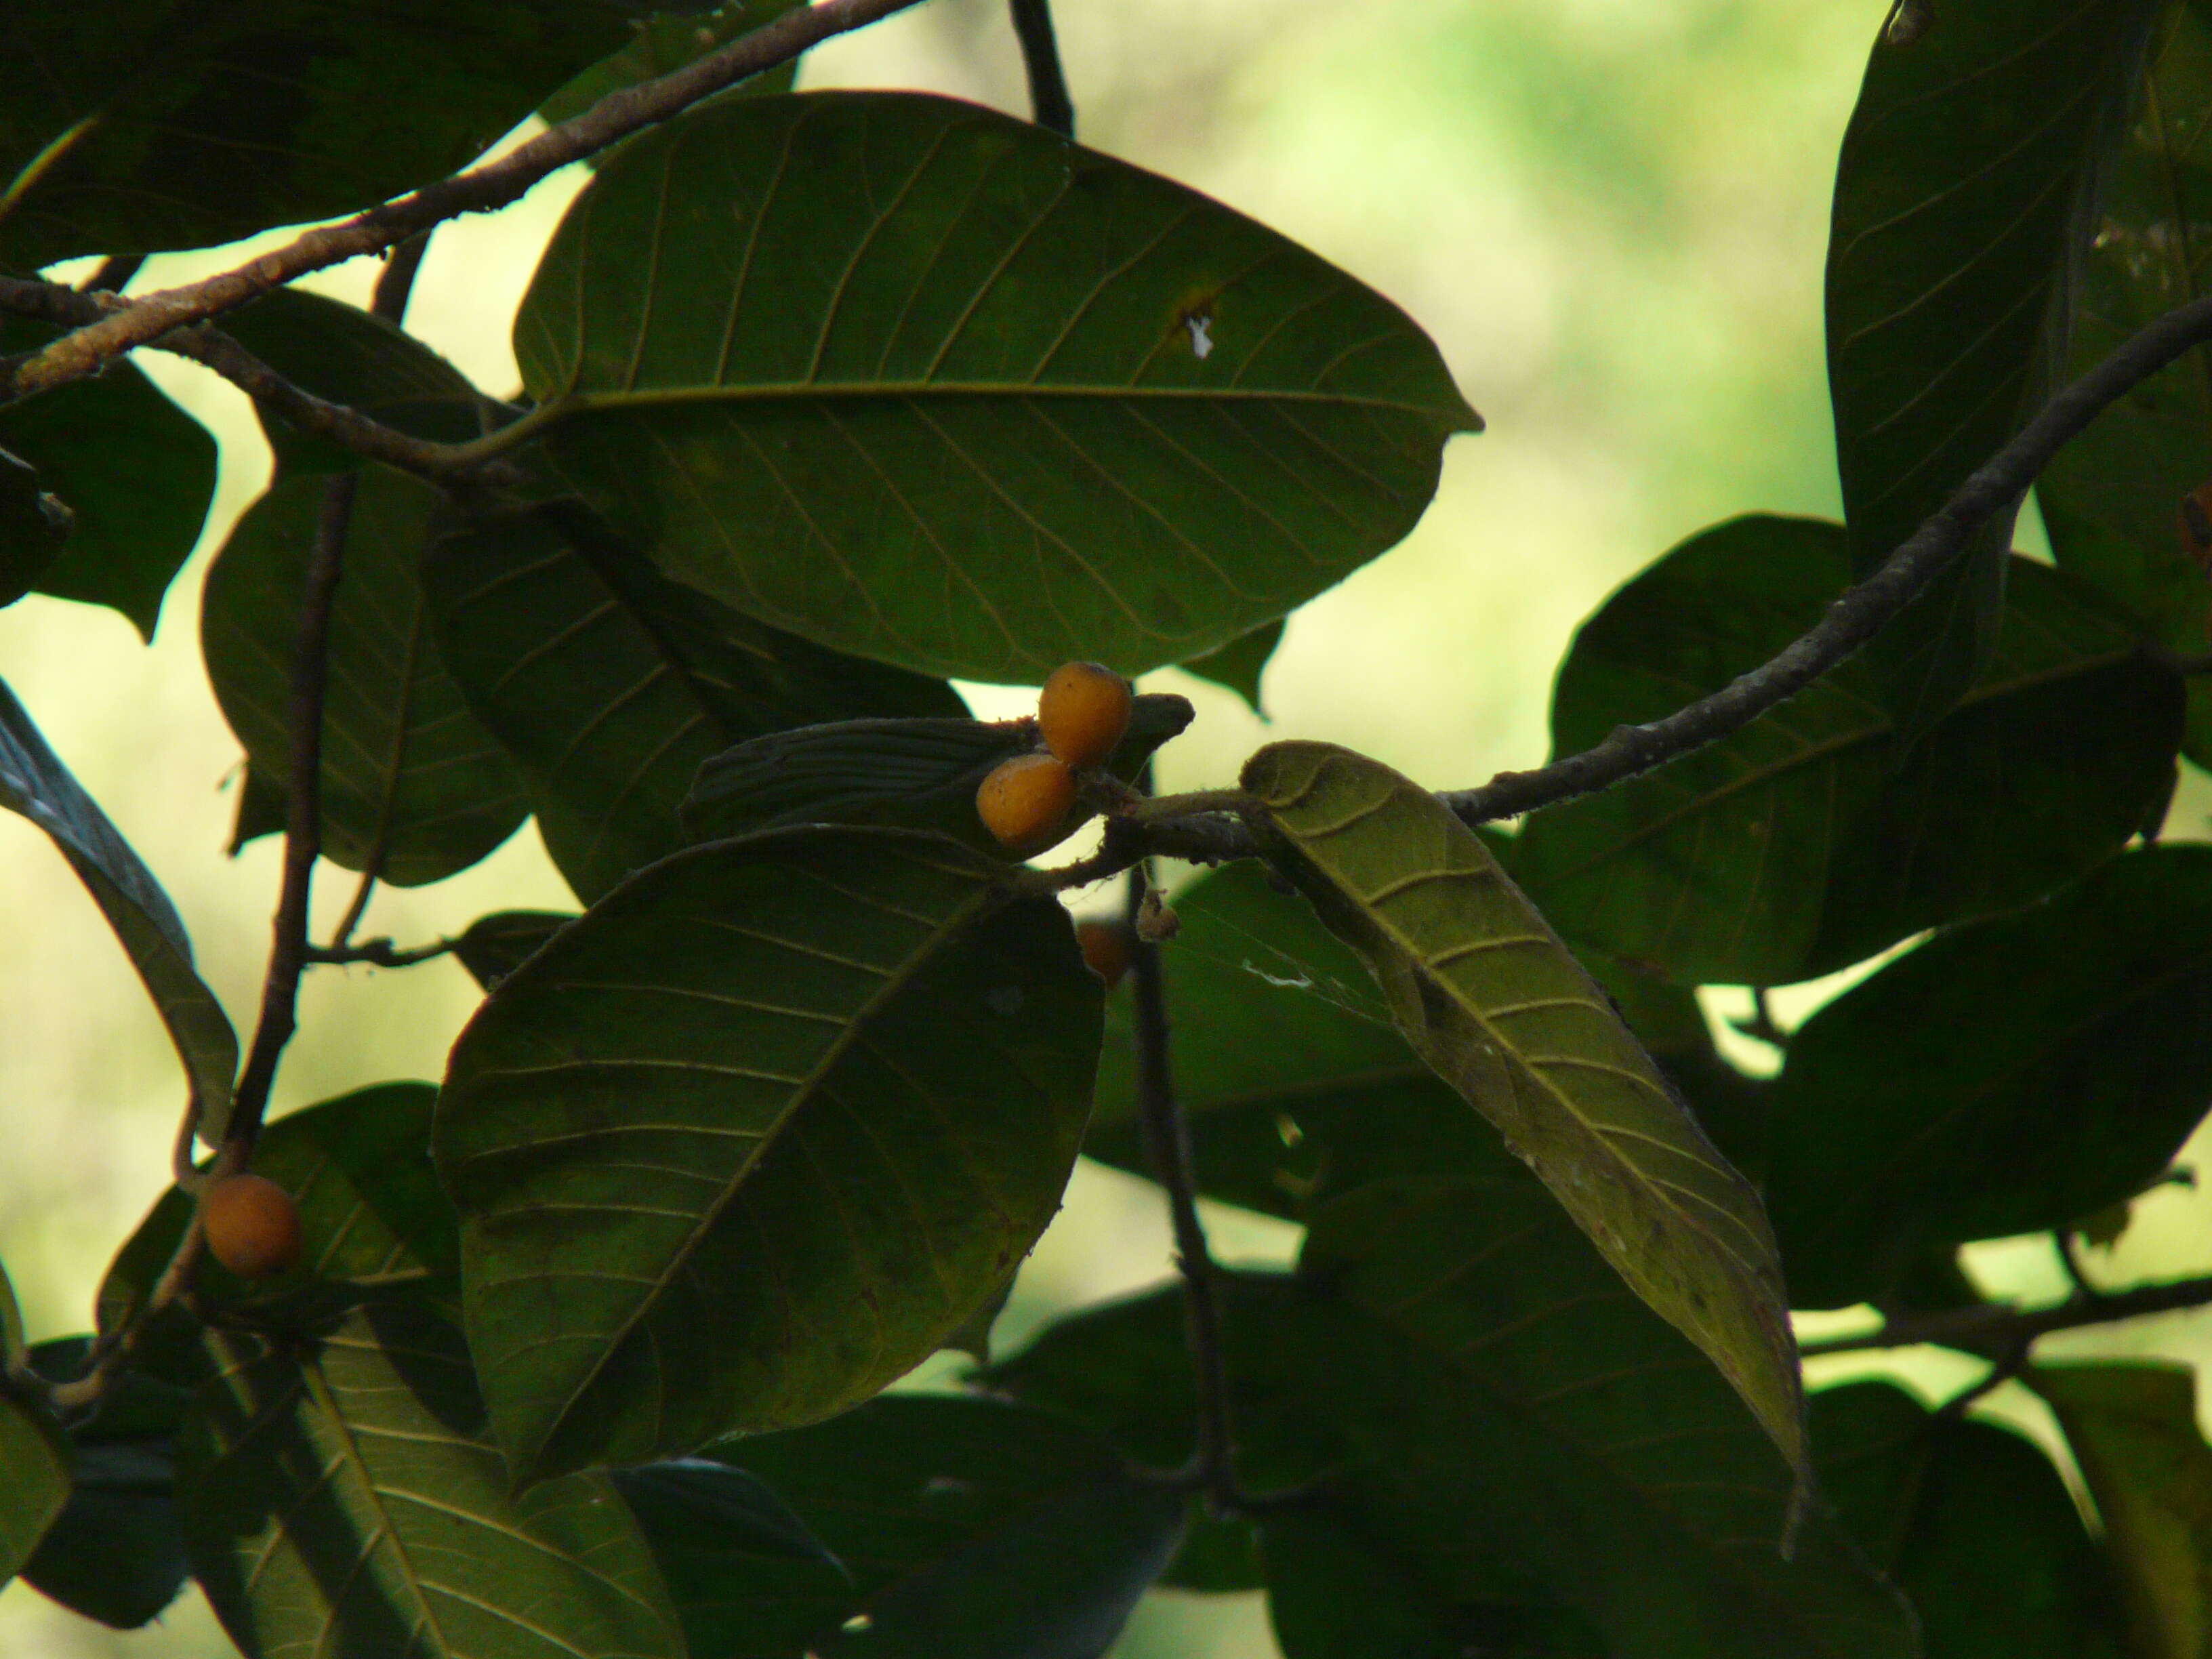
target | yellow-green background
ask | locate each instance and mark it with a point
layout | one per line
(1611, 213)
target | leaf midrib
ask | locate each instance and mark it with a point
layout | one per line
(573, 404)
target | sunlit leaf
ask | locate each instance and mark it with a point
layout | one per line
(1501, 1010)
(751, 1137)
(1239, 664)
(34, 782)
(1084, 412)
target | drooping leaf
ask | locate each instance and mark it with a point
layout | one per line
(975, 429)
(159, 124)
(2133, 1428)
(34, 1462)
(1815, 837)
(750, 1137)
(1972, 1522)
(116, 1553)
(1499, 1008)
(135, 471)
(1966, 197)
(340, 1496)
(611, 684)
(492, 947)
(2004, 1078)
(413, 787)
(2113, 500)
(663, 45)
(1239, 664)
(911, 774)
(34, 782)
(969, 1527)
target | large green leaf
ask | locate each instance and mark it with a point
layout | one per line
(2111, 500)
(116, 1553)
(663, 45)
(2133, 1428)
(611, 684)
(340, 1497)
(413, 788)
(1501, 1010)
(34, 1462)
(1333, 1593)
(135, 471)
(1240, 664)
(492, 947)
(35, 522)
(1972, 1522)
(34, 782)
(755, 1134)
(1966, 196)
(969, 1527)
(980, 401)
(163, 124)
(2006, 1077)
(1814, 836)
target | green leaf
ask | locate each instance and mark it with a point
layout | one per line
(492, 947)
(33, 1455)
(1516, 1403)
(909, 774)
(2133, 1428)
(1972, 1522)
(137, 472)
(663, 45)
(263, 809)
(1815, 837)
(969, 429)
(2006, 1077)
(340, 1496)
(34, 782)
(969, 1527)
(1333, 1594)
(611, 684)
(750, 1137)
(731, 1552)
(1490, 999)
(413, 788)
(158, 124)
(116, 1553)
(1966, 197)
(2111, 500)
(34, 524)
(1239, 664)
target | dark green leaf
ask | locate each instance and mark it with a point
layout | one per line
(412, 787)
(910, 774)
(755, 1134)
(137, 472)
(663, 45)
(975, 430)
(341, 1495)
(159, 124)
(1490, 999)
(1815, 837)
(2133, 1428)
(1966, 197)
(34, 524)
(494, 946)
(2112, 502)
(2005, 1078)
(971, 1527)
(611, 684)
(262, 810)
(116, 1553)
(1239, 664)
(34, 1462)
(1972, 1522)
(34, 782)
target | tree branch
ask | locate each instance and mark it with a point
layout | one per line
(1050, 107)
(1998, 1327)
(143, 320)
(381, 952)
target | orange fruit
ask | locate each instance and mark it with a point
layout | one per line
(252, 1225)
(1106, 949)
(1025, 799)
(1083, 713)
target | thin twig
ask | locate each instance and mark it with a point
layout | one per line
(2071, 1260)
(145, 319)
(1760, 1024)
(381, 952)
(1996, 1326)
(1050, 107)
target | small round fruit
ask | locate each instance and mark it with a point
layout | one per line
(1083, 713)
(252, 1226)
(1025, 799)
(1106, 949)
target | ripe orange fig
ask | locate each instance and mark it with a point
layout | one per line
(1083, 713)
(252, 1225)
(1106, 949)
(1025, 799)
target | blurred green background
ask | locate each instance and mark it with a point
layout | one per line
(1612, 215)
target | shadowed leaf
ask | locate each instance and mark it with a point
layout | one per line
(1239, 664)
(32, 1450)
(492, 947)
(663, 45)
(34, 524)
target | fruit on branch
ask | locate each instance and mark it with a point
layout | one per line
(1024, 800)
(1107, 950)
(1083, 713)
(252, 1225)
